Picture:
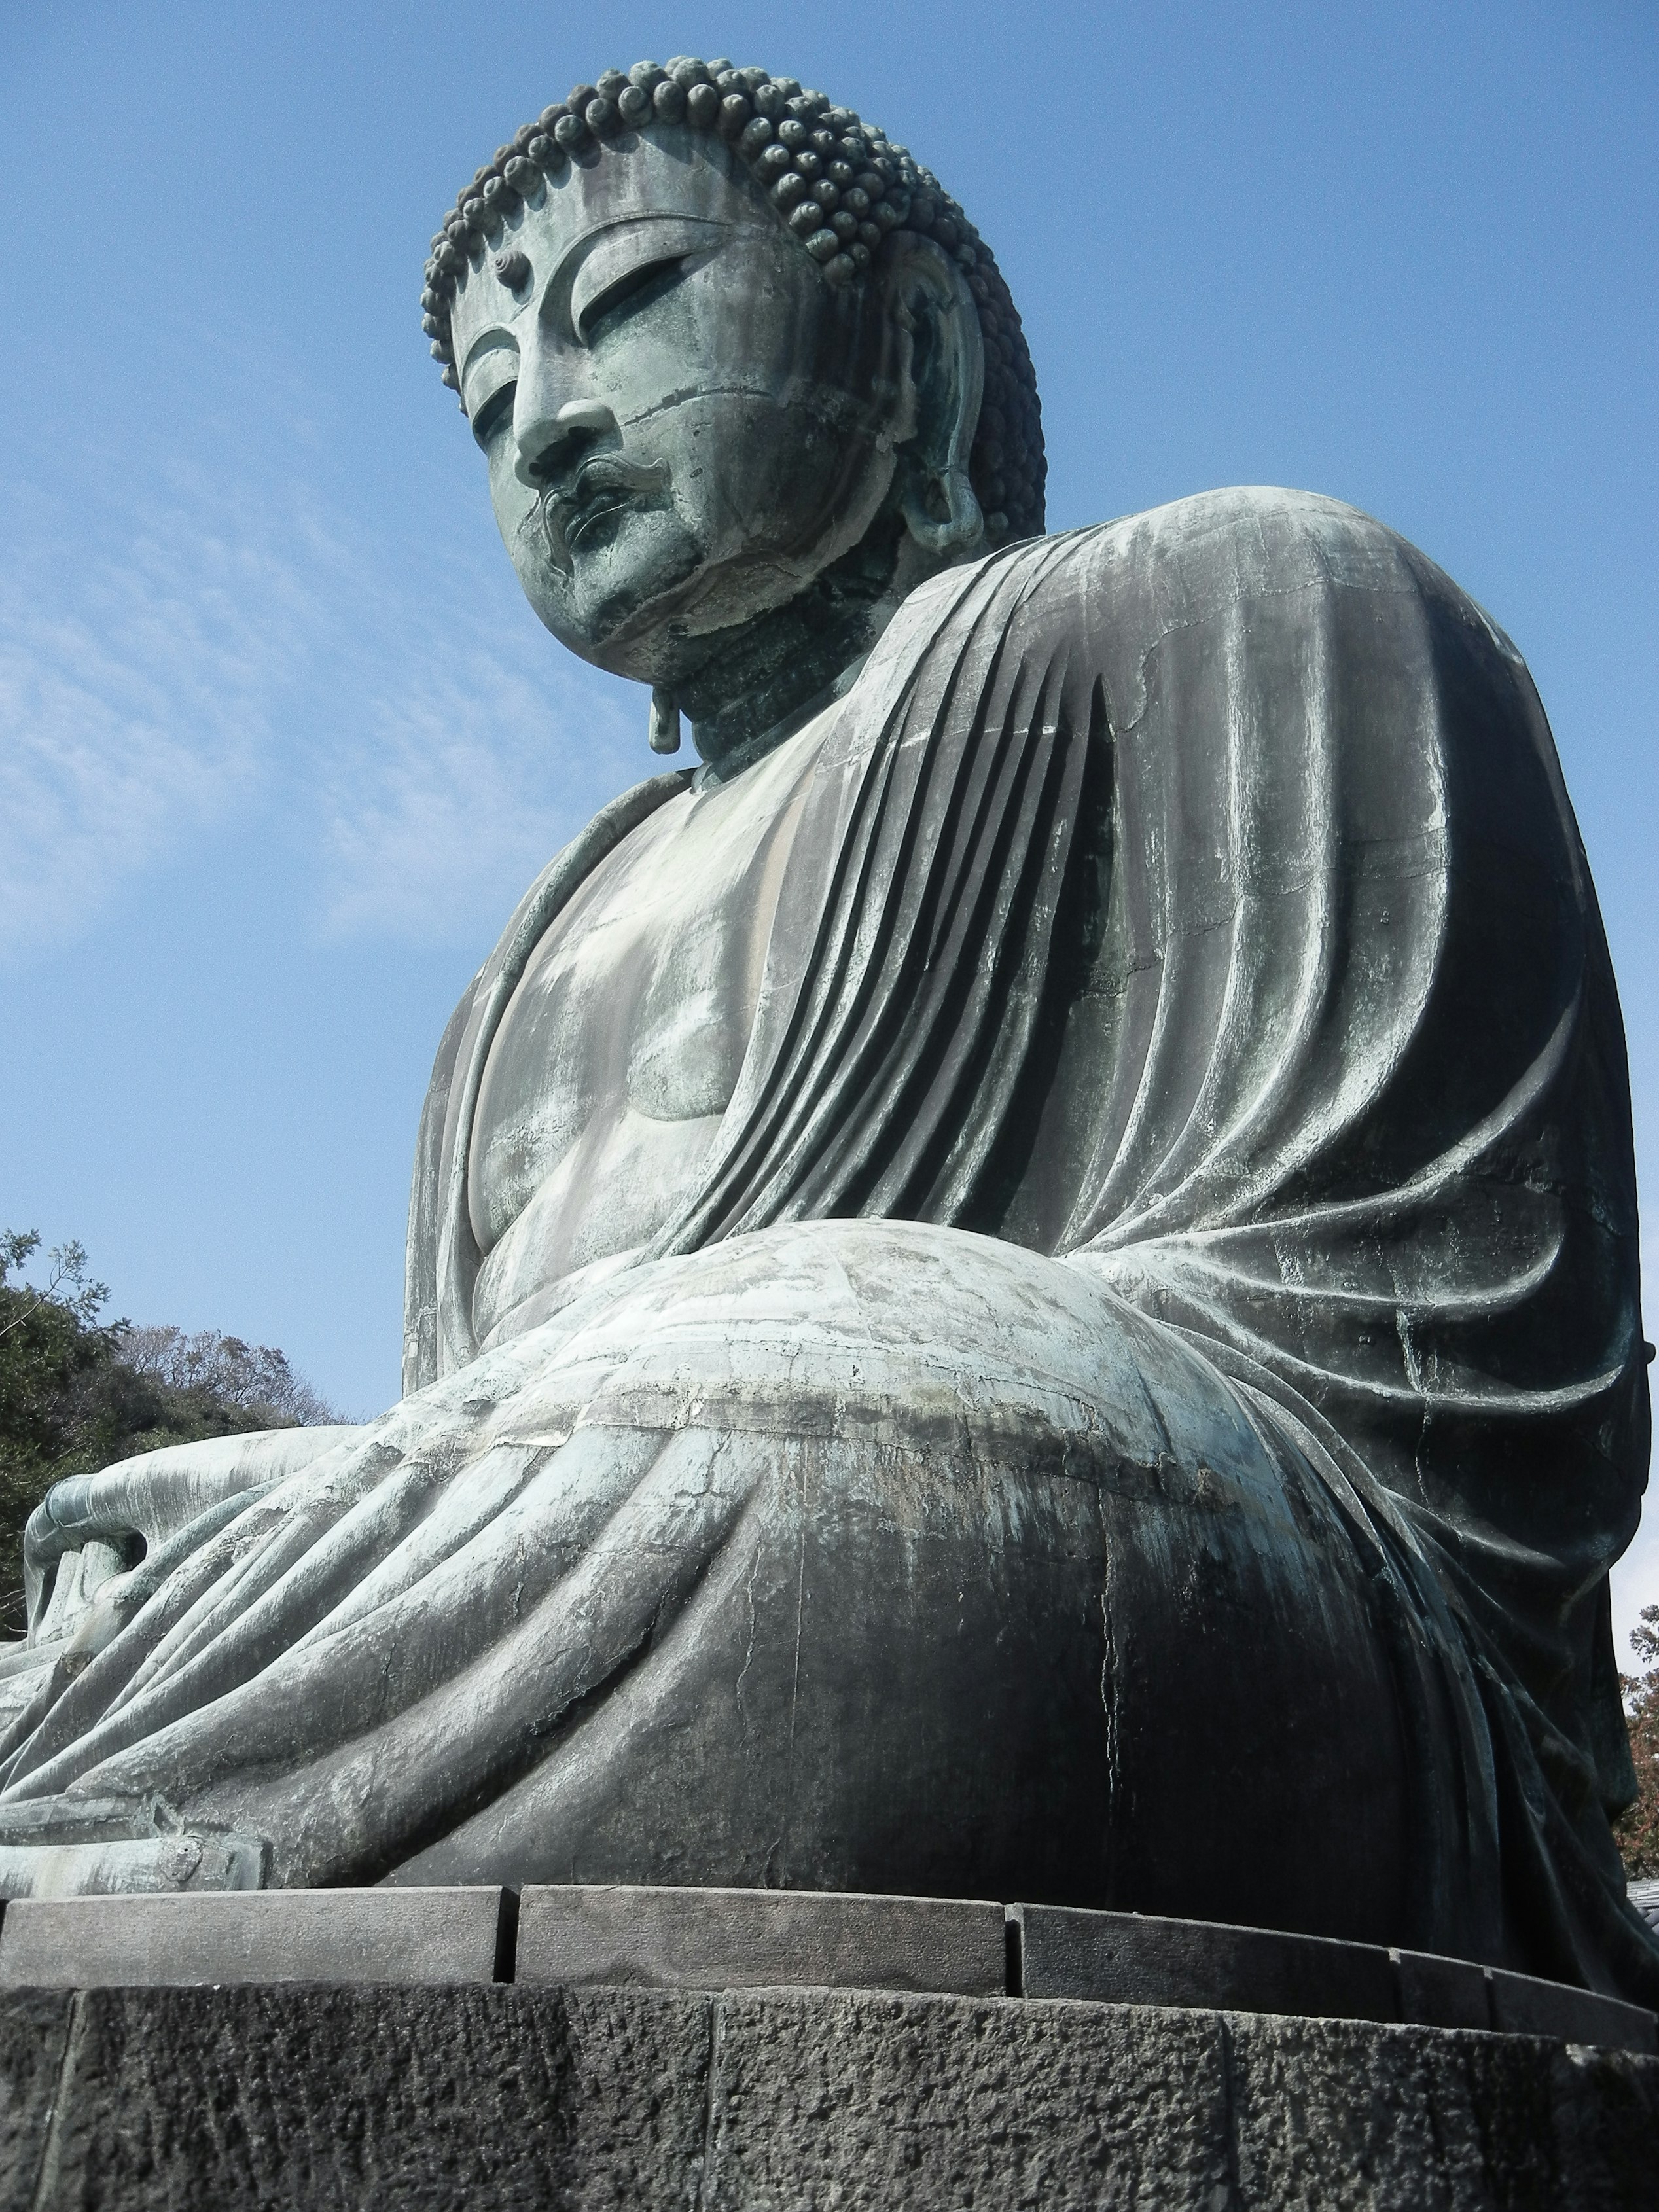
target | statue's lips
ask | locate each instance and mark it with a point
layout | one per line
(601, 487)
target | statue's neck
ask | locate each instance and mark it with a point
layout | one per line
(752, 699)
(752, 690)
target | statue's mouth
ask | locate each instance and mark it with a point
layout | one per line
(602, 487)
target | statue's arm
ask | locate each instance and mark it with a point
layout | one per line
(425, 1204)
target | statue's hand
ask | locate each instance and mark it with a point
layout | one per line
(89, 1528)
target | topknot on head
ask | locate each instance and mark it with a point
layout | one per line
(836, 183)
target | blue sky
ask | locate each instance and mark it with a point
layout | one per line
(280, 743)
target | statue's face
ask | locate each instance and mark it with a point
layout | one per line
(685, 424)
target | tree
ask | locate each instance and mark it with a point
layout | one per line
(1637, 1829)
(77, 1394)
(207, 1367)
(51, 1346)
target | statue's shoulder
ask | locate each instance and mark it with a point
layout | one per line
(1123, 586)
(1249, 539)
(1270, 517)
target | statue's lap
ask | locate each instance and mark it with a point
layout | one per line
(1004, 1539)
(1001, 1578)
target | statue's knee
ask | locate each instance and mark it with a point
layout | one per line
(1258, 1769)
(1165, 1694)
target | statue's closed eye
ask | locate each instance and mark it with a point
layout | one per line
(488, 380)
(494, 411)
(634, 289)
(624, 268)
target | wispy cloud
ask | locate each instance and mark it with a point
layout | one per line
(131, 708)
(247, 648)
(467, 766)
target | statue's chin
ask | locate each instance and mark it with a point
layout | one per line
(619, 587)
(644, 600)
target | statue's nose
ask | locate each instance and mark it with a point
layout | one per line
(542, 434)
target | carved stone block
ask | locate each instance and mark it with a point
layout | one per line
(730, 1939)
(256, 1935)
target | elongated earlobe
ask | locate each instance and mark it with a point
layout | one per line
(665, 722)
(963, 524)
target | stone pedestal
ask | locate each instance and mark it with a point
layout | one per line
(503, 2098)
(737, 2050)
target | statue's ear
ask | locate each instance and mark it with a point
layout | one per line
(942, 358)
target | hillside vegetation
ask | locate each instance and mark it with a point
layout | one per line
(77, 1392)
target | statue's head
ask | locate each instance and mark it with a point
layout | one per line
(727, 352)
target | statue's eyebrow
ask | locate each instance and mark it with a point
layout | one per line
(495, 339)
(619, 253)
(583, 243)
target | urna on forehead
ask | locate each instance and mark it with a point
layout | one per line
(838, 187)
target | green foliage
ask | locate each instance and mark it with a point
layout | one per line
(78, 1393)
(1638, 1830)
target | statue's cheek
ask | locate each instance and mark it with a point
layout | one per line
(514, 503)
(760, 471)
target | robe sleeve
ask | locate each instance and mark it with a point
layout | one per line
(425, 1199)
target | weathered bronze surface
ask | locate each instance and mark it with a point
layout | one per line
(1024, 1285)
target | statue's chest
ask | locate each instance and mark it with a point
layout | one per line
(622, 1045)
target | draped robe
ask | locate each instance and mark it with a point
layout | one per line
(1138, 1411)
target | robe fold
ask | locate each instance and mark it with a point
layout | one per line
(1150, 1379)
